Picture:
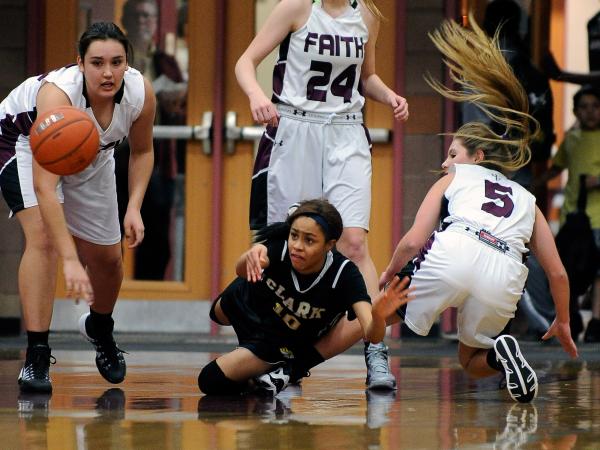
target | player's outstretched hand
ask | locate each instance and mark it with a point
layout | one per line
(77, 282)
(396, 294)
(256, 261)
(562, 332)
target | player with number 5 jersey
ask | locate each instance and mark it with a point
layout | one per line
(316, 144)
(475, 260)
(467, 245)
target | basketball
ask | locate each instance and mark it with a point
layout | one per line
(64, 140)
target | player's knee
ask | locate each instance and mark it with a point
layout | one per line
(107, 262)
(212, 380)
(39, 240)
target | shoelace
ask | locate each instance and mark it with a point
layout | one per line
(108, 348)
(378, 361)
(37, 364)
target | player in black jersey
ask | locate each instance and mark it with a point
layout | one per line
(292, 288)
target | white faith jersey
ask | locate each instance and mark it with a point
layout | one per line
(319, 65)
(89, 196)
(485, 199)
(129, 101)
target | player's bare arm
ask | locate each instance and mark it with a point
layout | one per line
(373, 86)
(426, 221)
(286, 17)
(141, 164)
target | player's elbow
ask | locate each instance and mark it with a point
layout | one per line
(410, 245)
(558, 276)
(243, 66)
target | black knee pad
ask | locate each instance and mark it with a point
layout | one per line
(212, 380)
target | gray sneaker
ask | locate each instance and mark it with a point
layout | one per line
(378, 368)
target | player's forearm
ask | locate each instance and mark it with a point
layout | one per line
(579, 78)
(375, 331)
(375, 88)
(559, 288)
(141, 165)
(56, 224)
(245, 72)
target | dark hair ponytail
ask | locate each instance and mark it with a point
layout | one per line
(102, 31)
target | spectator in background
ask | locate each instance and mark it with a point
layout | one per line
(140, 20)
(592, 77)
(579, 153)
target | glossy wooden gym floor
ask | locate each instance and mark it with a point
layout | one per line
(435, 407)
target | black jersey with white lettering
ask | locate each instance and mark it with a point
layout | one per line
(293, 307)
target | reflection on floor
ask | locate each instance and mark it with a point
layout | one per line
(435, 407)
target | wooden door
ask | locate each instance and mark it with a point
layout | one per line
(217, 185)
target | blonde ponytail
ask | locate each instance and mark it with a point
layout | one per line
(485, 79)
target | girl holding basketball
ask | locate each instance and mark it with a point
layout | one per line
(75, 217)
(316, 144)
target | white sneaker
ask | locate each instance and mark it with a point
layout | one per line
(272, 383)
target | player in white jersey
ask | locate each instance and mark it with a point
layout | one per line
(75, 218)
(316, 145)
(474, 261)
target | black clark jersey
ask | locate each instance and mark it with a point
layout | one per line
(291, 306)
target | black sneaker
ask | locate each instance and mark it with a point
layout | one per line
(35, 374)
(296, 372)
(109, 357)
(521, 380)
(272, 383)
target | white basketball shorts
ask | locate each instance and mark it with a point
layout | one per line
(481, 282)
(89, 198)
(309, 156)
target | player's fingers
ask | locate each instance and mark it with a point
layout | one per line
(546, 336)
(249, 270)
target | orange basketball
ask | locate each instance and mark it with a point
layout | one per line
(64, 140)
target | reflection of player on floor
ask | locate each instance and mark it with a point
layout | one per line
(475, 262)
(75, 218)
(316, 144)
(292, 287)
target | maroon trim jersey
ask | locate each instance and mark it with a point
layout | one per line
(319, 65)
(485, 199)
